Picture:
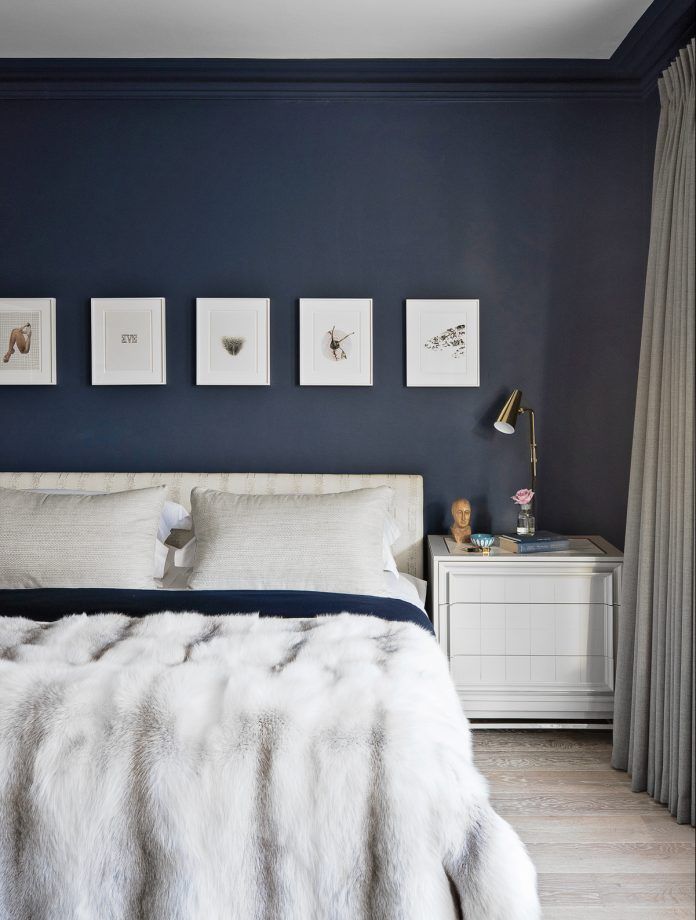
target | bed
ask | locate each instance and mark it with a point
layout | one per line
(241, 754)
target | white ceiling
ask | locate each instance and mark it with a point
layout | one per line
(316, 28)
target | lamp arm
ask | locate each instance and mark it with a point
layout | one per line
(532, 444)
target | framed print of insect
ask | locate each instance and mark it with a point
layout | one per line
(232, 341)
(336, 342)
(442, 343)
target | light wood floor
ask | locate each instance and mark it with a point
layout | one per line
(602, 852)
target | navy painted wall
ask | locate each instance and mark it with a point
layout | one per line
(539, 207)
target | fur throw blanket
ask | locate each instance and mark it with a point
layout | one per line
(181, 767)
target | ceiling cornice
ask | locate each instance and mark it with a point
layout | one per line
(664, 28)
(379, 79)
(630, 73)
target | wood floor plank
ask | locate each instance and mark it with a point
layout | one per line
(619, 913)
(548, 761)
(626, 891)
(663, 827)
(617, 802)
(665, 857)
(582, 782)
(583, 829)
(513, 740)
(560, 889)
(643, 889)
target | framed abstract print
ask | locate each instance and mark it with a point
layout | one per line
(442, 343)
(233, 341)
(28, 341)
(128, 341)
(336, 342)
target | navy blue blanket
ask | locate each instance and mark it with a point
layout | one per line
(49, 604)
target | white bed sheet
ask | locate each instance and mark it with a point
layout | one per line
(401, 586)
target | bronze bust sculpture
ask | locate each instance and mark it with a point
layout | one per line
(461, 516)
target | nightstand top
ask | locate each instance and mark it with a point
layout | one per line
(590, 548)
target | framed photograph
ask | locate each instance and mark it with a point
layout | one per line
(128, 341)
(442, 343)
(233, 341)
(335, 342)
(28, 341)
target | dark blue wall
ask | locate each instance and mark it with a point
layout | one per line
(539, 207)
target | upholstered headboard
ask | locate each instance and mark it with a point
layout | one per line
(407, 508)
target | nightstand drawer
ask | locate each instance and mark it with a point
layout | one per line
(529, 629)
(500, 670)
(562, 588)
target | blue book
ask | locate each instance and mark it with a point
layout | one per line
(543, 541)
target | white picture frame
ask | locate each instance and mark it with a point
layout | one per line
(28, 341)
(128, 341)
(344, 357)
(442, 343)
(233, 341)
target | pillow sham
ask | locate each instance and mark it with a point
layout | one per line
(185, 546)
(293, 542)
(52, 540)
(173, 516)
(390, 536)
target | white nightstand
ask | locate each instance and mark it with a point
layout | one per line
(529, 637)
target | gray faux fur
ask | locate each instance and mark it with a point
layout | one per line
(182, 767)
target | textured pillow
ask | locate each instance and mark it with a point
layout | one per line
(173, 515)
(293, 542)
(74, 541)
(185, 547)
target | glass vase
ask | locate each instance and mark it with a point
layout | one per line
(526, 525)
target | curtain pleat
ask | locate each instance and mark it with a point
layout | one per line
(654, 701)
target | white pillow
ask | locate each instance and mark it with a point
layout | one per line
(419, 584)
(164, 560)
(185, 556)
(295, 542)
(406, 588)
(173, 516)
(390, 536)
(70, 541)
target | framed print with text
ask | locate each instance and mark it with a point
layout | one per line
(128, 341)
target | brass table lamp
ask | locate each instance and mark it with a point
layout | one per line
(506, 421)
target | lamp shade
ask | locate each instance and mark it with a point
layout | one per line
(507, 419)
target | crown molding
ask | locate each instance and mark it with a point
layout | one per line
(629, 74)
(346, 79)
(654, 41)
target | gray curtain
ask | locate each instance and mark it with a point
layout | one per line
(654, 717)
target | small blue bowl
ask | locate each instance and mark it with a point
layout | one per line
(483, 541)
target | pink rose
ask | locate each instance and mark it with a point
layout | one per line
(523, 497)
